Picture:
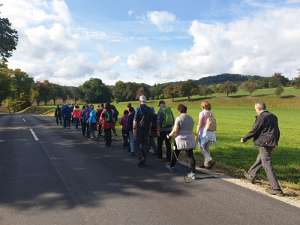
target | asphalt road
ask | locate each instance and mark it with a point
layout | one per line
(61, 178)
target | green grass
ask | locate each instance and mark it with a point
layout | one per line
(235, 116)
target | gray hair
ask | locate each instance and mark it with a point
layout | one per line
(261, 105)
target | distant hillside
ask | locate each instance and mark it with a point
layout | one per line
(222, 78)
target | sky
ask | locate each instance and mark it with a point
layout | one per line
(153, 41)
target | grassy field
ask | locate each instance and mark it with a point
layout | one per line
(235, 116)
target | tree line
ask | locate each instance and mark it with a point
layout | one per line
(20, 90)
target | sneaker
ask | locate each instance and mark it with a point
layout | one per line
(250, 178)
(170, 168)
(277, 192)
(209, 164)
(190, 177)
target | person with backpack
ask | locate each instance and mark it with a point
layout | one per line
(115, 113)
(165, 121)
(123, 123)
(99, 125)
(83, 120)
(130, 130)
(185, 141)
(142, 129)
(153, 135)
(206, 133)
(92, 122)
(76, 115)
(107, 123)
(58, 115)
(66, 113)
(266, 135)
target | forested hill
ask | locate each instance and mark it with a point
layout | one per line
(222, 78)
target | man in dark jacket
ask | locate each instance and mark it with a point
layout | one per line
(142, 129)
(265, 134)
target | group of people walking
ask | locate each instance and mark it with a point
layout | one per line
(144, 130)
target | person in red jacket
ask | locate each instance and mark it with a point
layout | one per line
(76, 115)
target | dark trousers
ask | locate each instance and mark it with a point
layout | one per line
(125, 138)
(107, 137)
(190, 158)
(88, 129)
(67, 122)
(58, 120)
(83, 127)
(99, 129)
(163, 138)
(264, 160)
(76, 121)
(142, 147)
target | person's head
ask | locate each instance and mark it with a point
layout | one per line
(259, 107)
(107, 106)
(129, 105)
(162, 104)
(131, 110)
(76, 106)
(182, 108)
(92, 107)
(102, 105)
(206, 105)
(125, 112)
(143, 99)
(83, 107)
(57, 106)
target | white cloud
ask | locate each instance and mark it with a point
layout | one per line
(163, 20)
(144, 59)
(50, 47)
(264, 44)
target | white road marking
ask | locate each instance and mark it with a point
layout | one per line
(34, 135)
(24, 120)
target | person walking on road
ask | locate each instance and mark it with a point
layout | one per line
(165, 121)
(130, 130)
(83, 120)
(76, 115)
(124, 123)
(184, 138)
(142, 129)
(206, 133)
(99, 125)
(107, 123)
(66, 113)
(92, 122)
(265, 134)
(58, 115)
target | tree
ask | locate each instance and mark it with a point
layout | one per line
(171, 91)
(95, 91)
(119, 91)
(43, 89)
(21, 85)
(228, 88)
(296, 82)
(205, 91)
(56, 91)
(8, 39)
(156, 91)
(278, 91)
(278, 80)
(249, 86)
(188, 88)
(5, 82)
